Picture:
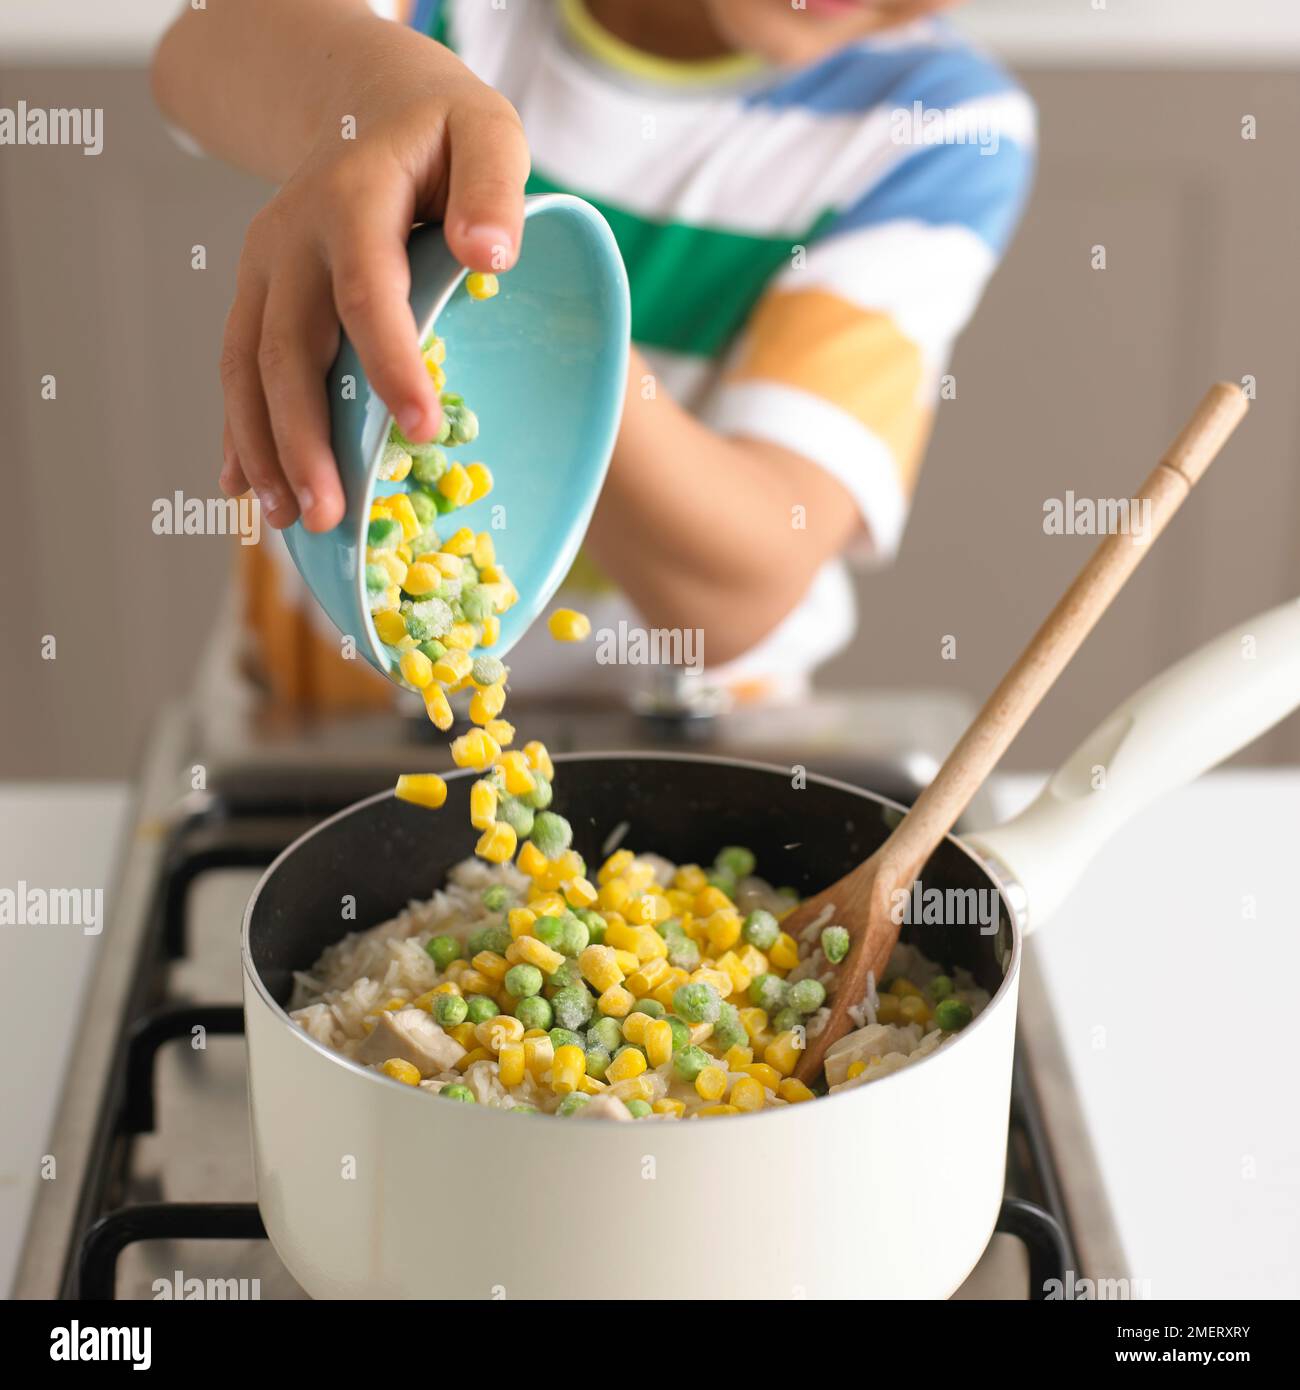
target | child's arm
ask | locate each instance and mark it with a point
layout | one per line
(701, 529)
(271, 87)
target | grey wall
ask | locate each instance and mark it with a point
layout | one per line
(1071, 378)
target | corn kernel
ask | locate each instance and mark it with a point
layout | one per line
(481, 284)
(599, 967)
(914, 1009)
(463, 1033)
(487, 702)
(580, 893)
(738, 1056)
(422, 789)
(634, 1088)
(740, 977)
(510, 1064)
(503, 732)
(615, 864)
(764, 1074)
(855, 1070)
(793, 1091)
(569, 1067)
(534, 952)
(521, 921)
(519, 780)
(658, 1042)
(401, 1070)
(627, 962)
(531, 860)
(630, 1062)
(723, 929)
(476, 1054)
(462, 637)
(614, 895)
(400, 509)
(783, 1051)
(480, 477)
(589, 1086)
(747, 1094)
(567, 625)
(669, 1106)
(902, 988)
(706, 1111)
(474, 749)
(690, 878)
(711, 1083)
(615, 1002)
(634, 1026)
(417, 668)
(482, 805)
(390, 626)
(649, 975)
(539, 1055)
(484, 552)
(495, 1033)
(710, 900)
(491, 630)
(475, 982)
(421, 579)
(455, 486)
(490, 964)
(784, 955)
(452, 667)
(437, 707)
(497, 843)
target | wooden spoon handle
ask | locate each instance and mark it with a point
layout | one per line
(1060, 636)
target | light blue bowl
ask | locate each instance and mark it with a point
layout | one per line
(543, 365)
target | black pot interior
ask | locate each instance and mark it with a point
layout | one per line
(382, 854)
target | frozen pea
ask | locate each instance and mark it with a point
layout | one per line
(669, 928)
(564, 1037)
(443, 504)
(835, 944)
(573, 1104)
(941, 987)
(428, 617)
(806, 996)
(785, 1019)
(476, 604)
(426, 512)
(683, 953)
(494, 938)
(572, 1005)
(383, 533)
(767, 992)
(952, 1014)
(550, 931)
(488, 670)
(552, 834)
(481, 1008)
(689, 1062)
(736, 860)
(564, 975)
(515, 814)
(649, 1006)
(761, 929)
(723, 879)
(443, 950)
(595, 924)
(429, 466)
(576, 937)
(496, 897)
(450, 1010)
(523, 981)
(697, 1002)
(605, 1034)
(534, 1012)
(728, 1031)
(519, 1108)
(680, 1030)
(458, 1091)
(376, 578)
(639, 1109)
(540, 796)
(433, 649)
(597, 1062)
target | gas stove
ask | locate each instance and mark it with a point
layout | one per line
(153, 1124)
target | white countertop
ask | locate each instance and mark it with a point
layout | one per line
(52, 835)
(1028, 33)
(1187, 1087)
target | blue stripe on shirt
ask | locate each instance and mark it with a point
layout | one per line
(859, 78)
(947, 185)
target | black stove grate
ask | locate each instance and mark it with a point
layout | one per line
(225, 837)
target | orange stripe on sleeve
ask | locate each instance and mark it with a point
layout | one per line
(816, 342)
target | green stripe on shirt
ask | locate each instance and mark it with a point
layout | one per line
(692, 287)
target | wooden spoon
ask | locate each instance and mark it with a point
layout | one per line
(862, 899)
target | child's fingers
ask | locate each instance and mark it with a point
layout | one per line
(232, 481)
(366, 247)
(485, 195)
(241, 379)
(299, 340)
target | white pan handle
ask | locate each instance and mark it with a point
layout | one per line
(1194, 715)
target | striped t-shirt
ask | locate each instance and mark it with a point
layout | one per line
(803, 246)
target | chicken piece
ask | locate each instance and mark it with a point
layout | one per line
(414, 1037)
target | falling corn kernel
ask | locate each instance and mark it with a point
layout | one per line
(422, 789)
(568, 625)
(481, 284)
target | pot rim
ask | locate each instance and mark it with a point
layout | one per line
(253, 978)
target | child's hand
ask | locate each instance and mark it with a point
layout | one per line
(431, 142)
